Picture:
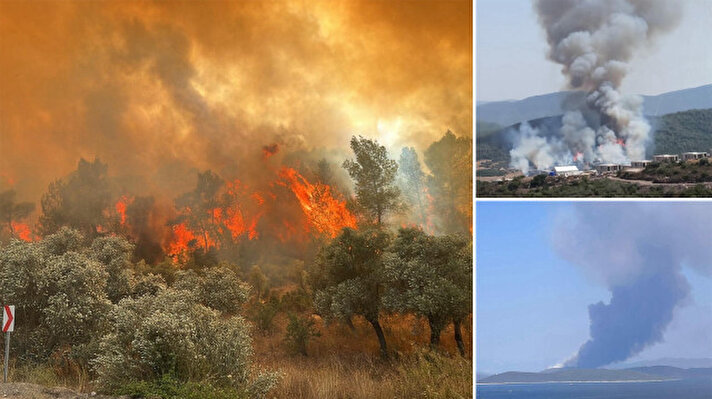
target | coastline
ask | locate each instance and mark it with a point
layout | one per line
(575, 382)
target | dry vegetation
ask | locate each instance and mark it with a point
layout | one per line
(344, 363)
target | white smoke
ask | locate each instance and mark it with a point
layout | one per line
(594, 40)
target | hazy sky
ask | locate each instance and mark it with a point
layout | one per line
(532, 305)
(511, 54)
(151, 85)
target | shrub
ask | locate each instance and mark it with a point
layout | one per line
(296, 301)
(216, 287)
(299, 332)
(170, 334)
(59, 289)
(262, 314)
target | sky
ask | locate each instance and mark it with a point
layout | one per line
(511, 53)
(532, 304)
(158, 89)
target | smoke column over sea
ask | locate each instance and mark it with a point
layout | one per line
(637, 251)
(594, 40)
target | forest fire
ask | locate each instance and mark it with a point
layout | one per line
(325, 213)
(22, 231)
(120, 207)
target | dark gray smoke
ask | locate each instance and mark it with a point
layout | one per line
(637, 251)
(594, 40)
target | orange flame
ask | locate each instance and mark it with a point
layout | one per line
(22, 231)
(121, 206)
(325, 213)
(182, 237)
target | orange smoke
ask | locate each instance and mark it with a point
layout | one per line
(325, 213)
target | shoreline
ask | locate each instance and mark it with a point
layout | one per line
(574, 382)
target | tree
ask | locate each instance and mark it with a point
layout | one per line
(198, 206)
(412, 182)
(347, 278)
(11, 212)
(450, 162)
(299, 332)
(431, 277)
(78, 201)
(374, 175)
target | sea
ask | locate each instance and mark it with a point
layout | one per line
(678, 389)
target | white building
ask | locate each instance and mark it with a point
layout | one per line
(570, 170)
(640, 164)
(666, 158)
(687, 156)
(608, 167)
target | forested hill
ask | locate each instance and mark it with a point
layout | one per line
(684, 131)
(673, 133)
(506, 113)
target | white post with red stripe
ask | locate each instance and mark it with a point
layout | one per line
(8, 325)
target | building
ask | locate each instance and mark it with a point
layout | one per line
(570, 170)
(687, 156)
(640, 164)
(666, 158)
(608, 167)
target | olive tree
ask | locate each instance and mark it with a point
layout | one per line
(217, 287)
(374, 175)
(347, 278)
(431, 277)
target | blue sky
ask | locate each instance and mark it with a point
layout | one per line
(511, 54)
(532, 305)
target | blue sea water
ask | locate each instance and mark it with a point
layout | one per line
(682, 389)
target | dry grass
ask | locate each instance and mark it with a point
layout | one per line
(344, 363)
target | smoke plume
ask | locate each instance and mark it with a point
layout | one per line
(637, 251)
(594, 40)
(159, 90)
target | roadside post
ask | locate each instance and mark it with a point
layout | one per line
(8, 325)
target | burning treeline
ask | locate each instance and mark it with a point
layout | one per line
(295, 205)
(594, 41)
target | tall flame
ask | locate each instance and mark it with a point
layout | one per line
(22, 231)
(325, 213)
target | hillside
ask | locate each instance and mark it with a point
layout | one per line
(561, 375)
(506, 113)
(599, 375)
(673, 133)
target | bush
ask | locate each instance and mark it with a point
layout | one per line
(170, 334)
(59, 289)
(299, 332)
(169, 388)
(296, 301)
(262, 314)
(216, 287)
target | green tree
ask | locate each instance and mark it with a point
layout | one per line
(347, 278)
(412, 182)
(374, 175)
(431, 277)
(11, 211)
(450, 162)
(78, 201)
(299, 332)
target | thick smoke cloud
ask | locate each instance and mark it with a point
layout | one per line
(159, 90)
(594, 40)
(637, 251)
